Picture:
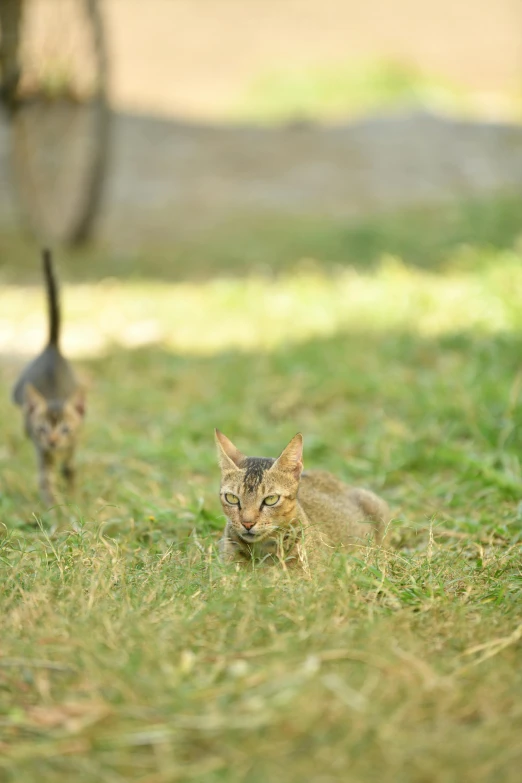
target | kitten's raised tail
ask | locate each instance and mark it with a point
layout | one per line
(52, 298)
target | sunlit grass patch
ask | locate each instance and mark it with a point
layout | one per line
(262, 313)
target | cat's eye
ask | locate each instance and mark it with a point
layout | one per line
(231, 499)
(42, 429)
(271, 500)
(65, 429)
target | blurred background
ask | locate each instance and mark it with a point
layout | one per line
(280, 60)
(225, 110)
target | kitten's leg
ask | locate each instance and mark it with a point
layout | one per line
(69, 470)
(45, 476)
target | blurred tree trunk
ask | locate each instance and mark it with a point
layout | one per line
(10, 16)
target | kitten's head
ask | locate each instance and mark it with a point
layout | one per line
(259, 494)
(53, 426)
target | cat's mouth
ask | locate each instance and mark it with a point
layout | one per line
(256, 535)
(249, 535)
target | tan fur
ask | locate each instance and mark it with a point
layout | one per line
(315, 510)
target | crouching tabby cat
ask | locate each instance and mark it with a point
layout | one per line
(53, 404)
(276, 512)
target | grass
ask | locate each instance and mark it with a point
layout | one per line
(128, 653)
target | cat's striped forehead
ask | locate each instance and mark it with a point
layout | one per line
(54, 411)
(254, 469)
(250, 476)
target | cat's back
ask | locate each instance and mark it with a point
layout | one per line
(51, 375)
(342, 512)
(324, 496)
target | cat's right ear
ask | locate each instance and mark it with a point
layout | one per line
(228, 455)
(33, 399)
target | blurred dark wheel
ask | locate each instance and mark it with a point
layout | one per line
(55, 88)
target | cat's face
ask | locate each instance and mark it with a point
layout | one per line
(258, 494)
(52, 428)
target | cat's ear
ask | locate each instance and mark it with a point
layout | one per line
(33, 400)
(77, 401)
(291, 458)
(228, 455)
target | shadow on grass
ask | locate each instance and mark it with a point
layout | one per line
(434, 239)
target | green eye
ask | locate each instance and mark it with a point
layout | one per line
(232, 499)
(271, 500)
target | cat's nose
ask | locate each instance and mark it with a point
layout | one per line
(248, 523)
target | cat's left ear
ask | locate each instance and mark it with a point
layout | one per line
(291, 458)
(77, 401)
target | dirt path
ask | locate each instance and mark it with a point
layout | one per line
(192, 58)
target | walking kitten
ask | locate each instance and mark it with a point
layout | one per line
(273, 509)
(52, 403)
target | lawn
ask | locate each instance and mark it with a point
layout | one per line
(129, 653)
